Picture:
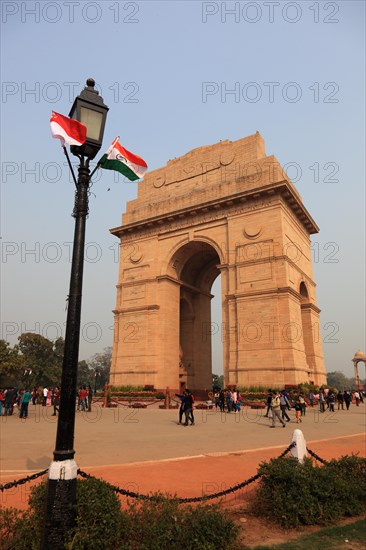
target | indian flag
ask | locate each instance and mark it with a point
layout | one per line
(123, 161)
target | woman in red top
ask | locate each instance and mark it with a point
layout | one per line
(1, 402)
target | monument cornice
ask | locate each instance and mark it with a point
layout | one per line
(309, 305)
(136, 309)
(220, 208)
(270, 291)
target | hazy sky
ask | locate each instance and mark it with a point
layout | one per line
(178, 75)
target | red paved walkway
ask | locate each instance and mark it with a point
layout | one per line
(195, 476)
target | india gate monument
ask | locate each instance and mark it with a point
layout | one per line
(224, 209)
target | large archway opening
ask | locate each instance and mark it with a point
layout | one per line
(196, 265)
(306, 328)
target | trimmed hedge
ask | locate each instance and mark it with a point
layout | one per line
(161, 524)
(297, 494)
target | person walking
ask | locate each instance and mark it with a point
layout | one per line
(275, 408)
(216, 399)
(9, 401)
(56, 400)
(340, 400)
(321, 401)
(269, 401)
(311, 398)
(284, 405)
(229, 401)
(331, 400)
(188, 408)
(347, 399)
(222, 401)
(303, 404)
(298, 411)
(82, 399)
(182, 398)
(1, 401)
(239, 399)
(34, 396)
(26, 397)
(357, 398)
(44, 394)
(234, 396)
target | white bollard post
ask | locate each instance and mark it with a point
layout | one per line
(299, 450)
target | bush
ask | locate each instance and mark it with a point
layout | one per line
(159, 524)
(126, 388)
(99, 518)
(164, 525)
(303, 494)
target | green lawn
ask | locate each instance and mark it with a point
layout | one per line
(332, 537)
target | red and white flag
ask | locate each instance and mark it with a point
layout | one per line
(68, 130)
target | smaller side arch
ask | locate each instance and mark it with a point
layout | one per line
(304, 293)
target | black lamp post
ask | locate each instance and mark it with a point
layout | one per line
(96, 374)
(89, 109)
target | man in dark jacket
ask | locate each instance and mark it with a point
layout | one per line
(269, 402)
(188, 408)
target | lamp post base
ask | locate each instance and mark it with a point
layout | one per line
(61, 500)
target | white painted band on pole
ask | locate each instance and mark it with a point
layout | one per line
(299, 450)
(63, 470)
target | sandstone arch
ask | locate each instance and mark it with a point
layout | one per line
(223, 209)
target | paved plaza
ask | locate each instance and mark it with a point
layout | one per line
(146, 450)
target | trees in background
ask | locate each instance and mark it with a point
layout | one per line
(42, 359)
(100, 365)
(37, 361)
(218, 381)
(11, 365)
(338, 380)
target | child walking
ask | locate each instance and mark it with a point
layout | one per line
(298, 411)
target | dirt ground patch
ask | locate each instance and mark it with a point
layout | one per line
(256, 531)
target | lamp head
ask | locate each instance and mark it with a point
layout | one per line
(89, 109)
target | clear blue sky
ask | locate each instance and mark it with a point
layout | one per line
(152, 61)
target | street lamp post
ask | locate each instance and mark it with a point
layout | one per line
(89, 109)
(96, 374)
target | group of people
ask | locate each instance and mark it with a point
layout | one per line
(47, 397)
(186, 408)
(328, 398)
(84, 398)
(282, 402)
(11, 397)
(229, 400)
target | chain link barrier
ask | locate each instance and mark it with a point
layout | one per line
(180, 500)
(317, 457)
(17, 482)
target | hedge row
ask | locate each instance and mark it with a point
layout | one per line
(297, 494)
(145, 525)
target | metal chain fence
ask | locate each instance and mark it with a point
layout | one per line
(17, 482)
(317, 457)
(141, 496)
